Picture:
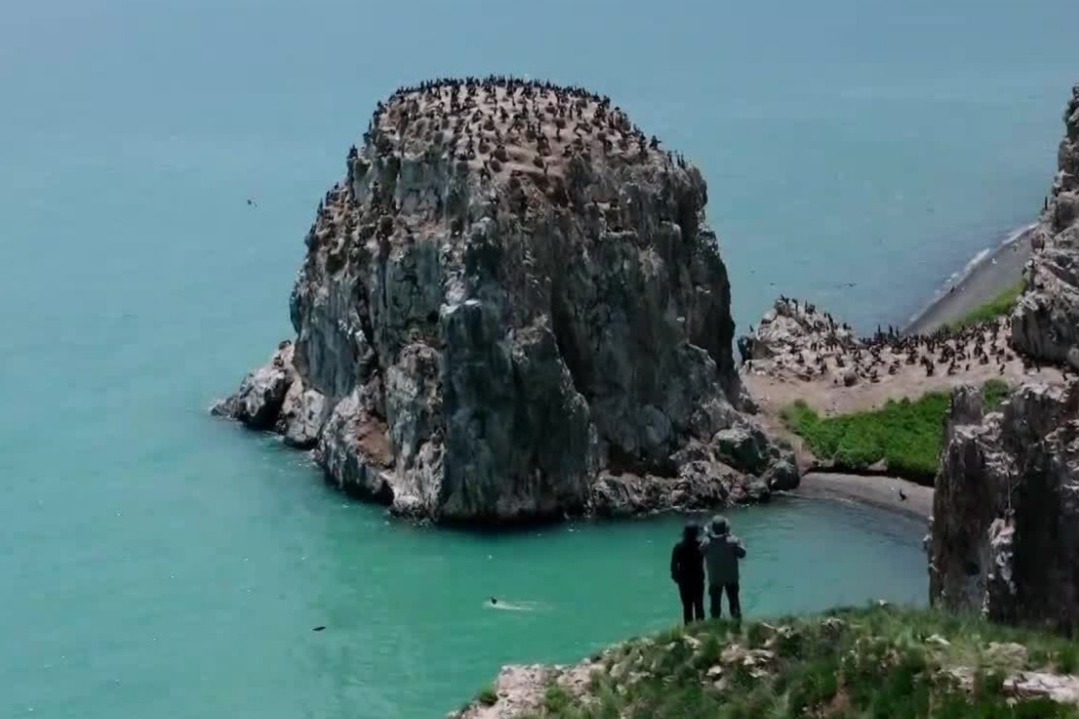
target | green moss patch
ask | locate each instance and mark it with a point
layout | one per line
(907, 435)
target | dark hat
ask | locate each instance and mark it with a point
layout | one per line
(719, 526)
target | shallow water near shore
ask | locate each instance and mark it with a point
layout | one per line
(157, 563)
(165, 615)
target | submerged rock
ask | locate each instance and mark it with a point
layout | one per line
(1045, 322)
(1005, 534)
(512, 308)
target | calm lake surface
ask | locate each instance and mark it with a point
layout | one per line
(155, 562)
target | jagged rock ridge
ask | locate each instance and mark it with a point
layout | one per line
(512, 308)
(1045, 322)
(1005, 534)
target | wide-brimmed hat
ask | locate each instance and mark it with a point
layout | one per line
(719, 526)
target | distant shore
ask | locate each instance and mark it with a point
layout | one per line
(985, 279)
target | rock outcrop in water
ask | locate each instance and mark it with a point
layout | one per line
(1005, 536)
(512, 308)
(1045, 323)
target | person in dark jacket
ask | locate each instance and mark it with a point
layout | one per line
(722, 550)
(687, 571)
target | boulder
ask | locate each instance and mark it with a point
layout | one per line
(743, 447)
(258, 401)
(782, 476)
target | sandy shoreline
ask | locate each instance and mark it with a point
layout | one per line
(880, 492)
(995, 273)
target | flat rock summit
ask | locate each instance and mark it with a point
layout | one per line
(512, 308)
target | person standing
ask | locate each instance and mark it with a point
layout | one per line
(722, 550)
(687, 571)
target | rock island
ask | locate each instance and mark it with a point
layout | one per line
(512, 308)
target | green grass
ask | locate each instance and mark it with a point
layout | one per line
(879, 662)
(995, 391)
(907, 435)
(488, 697)
(999, 306)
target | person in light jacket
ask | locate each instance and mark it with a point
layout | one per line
(722, 550)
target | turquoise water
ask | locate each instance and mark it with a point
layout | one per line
(156, 563)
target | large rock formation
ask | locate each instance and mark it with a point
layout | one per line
(1005, 536)
(512, 308)
(1045, 322)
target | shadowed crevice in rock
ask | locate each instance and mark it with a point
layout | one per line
(574, 357)
(512, 309)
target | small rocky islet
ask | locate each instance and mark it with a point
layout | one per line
(512, 309)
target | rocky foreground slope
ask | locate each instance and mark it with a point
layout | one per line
(512, 308)
(1005, 536)
(879, 662)
(1045, 323)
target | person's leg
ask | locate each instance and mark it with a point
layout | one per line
(686, 596)
(715, 597)
(698, 602)
(735, 602)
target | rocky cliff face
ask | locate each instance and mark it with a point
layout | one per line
(1005, 536)
(1045, 323)
(512, 308)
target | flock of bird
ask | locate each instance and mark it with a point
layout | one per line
(827, 346)
(497, 121)
(497, 127)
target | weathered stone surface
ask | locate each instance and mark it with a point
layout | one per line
(1005, 534)
(742, 446)
(275, 397)
(796, 333)
(782, 476)
(504, 316)
(520, 690)
(1045, 322)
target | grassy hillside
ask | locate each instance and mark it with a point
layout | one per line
(907, 435)
(879, 662)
